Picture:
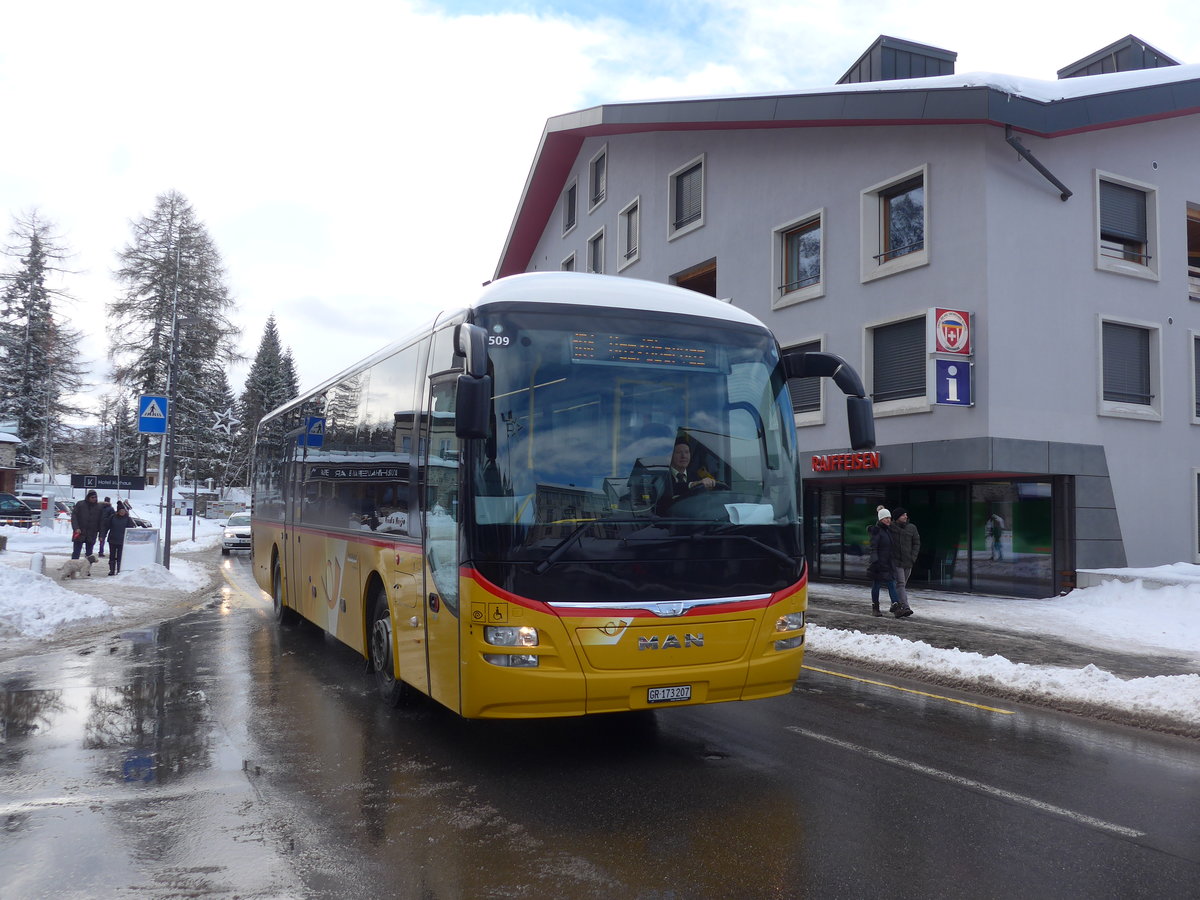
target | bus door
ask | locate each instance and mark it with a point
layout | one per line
(440, 453)
(293, 512)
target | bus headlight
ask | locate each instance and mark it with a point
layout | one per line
(790, 622)
(512, 660)
(510, 636)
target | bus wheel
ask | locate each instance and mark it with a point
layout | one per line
(284, 615)
(393, 691)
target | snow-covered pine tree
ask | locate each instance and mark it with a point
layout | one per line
(40, 370)
(174, 288)
(271, 382)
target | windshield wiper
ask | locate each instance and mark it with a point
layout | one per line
(573, 538)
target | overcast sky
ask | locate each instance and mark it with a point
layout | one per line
(358, 164)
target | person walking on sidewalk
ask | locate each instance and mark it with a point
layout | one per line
(881, 565)
(106, 514)
(117, 526)
(906, 544)
(85, 525)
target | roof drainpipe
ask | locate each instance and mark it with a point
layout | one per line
(1032, 160)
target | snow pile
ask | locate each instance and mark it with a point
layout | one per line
(33, 605)
(1147, 700)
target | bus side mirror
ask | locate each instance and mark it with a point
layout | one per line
(472, 406)
(471, 342)
(860, 416)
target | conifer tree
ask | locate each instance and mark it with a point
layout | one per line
(39, 368)
(169, 333)
(270, 383)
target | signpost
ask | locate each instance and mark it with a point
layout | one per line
(152, 414)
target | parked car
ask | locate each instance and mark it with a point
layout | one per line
(237, 533)
(14, 512)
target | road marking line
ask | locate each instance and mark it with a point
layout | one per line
(970, 783)
(896, 687)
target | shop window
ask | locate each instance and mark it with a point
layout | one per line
(798, 260)
(1126, 216)
(898, 367)
(895, 225)
(1129, 355)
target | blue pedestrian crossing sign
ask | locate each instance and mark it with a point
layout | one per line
(152, 414)
(314, 432)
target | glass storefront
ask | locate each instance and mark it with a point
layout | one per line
(990, 537)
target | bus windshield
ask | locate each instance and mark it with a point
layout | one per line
(630, 451)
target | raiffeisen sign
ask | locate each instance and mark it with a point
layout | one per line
(846, 462)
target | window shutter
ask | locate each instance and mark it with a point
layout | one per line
(1122, 212)
(1126, 364)
(806, 392)
(899, 360)
(1196, 373)
(688, 195)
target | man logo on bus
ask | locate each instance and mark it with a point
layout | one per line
(953, 332)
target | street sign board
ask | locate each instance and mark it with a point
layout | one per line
(109, 482)
(953, 382)
(314, 432)
(152, 414)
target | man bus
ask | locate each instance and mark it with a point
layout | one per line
(477, 508)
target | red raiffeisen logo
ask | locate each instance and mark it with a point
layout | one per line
(846, 462)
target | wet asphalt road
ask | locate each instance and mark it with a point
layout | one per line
(216, 755)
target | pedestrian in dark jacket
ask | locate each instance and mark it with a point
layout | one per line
(85, 525)
(881, 565)
(106, 514)
(906, 544)
(117, 526)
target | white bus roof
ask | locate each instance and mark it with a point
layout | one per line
(581, 289)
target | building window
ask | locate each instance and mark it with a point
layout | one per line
(598, 178)
(1193, 251)
(1126, 213)
(1196, 507)
(596, 252)
(1196, 377)
(630, 227)
(898, 366)
(568, 264)
(806, 392)
(895, 225)
(570, 204)
(701, 278)
(1130, 379)
(686, 186)
(798, 260)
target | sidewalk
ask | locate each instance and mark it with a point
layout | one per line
(944, 620)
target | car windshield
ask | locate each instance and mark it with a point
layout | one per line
(238, 519)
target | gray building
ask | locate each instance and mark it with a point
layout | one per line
(1013, 265)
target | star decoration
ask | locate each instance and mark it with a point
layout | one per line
(226, 422)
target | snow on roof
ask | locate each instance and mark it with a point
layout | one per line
(6, 438)
(1036, 89)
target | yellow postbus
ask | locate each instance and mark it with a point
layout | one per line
(487, 511)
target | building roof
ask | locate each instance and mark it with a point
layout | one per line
(1033, 106)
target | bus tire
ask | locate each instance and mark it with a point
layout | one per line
(284, 614)
(392, 690)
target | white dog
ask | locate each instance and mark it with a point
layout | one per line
(76, 568)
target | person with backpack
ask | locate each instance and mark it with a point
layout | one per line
(117, 526)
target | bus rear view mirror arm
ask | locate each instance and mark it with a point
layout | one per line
(859, 411)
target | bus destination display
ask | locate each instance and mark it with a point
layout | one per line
(622, 349)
